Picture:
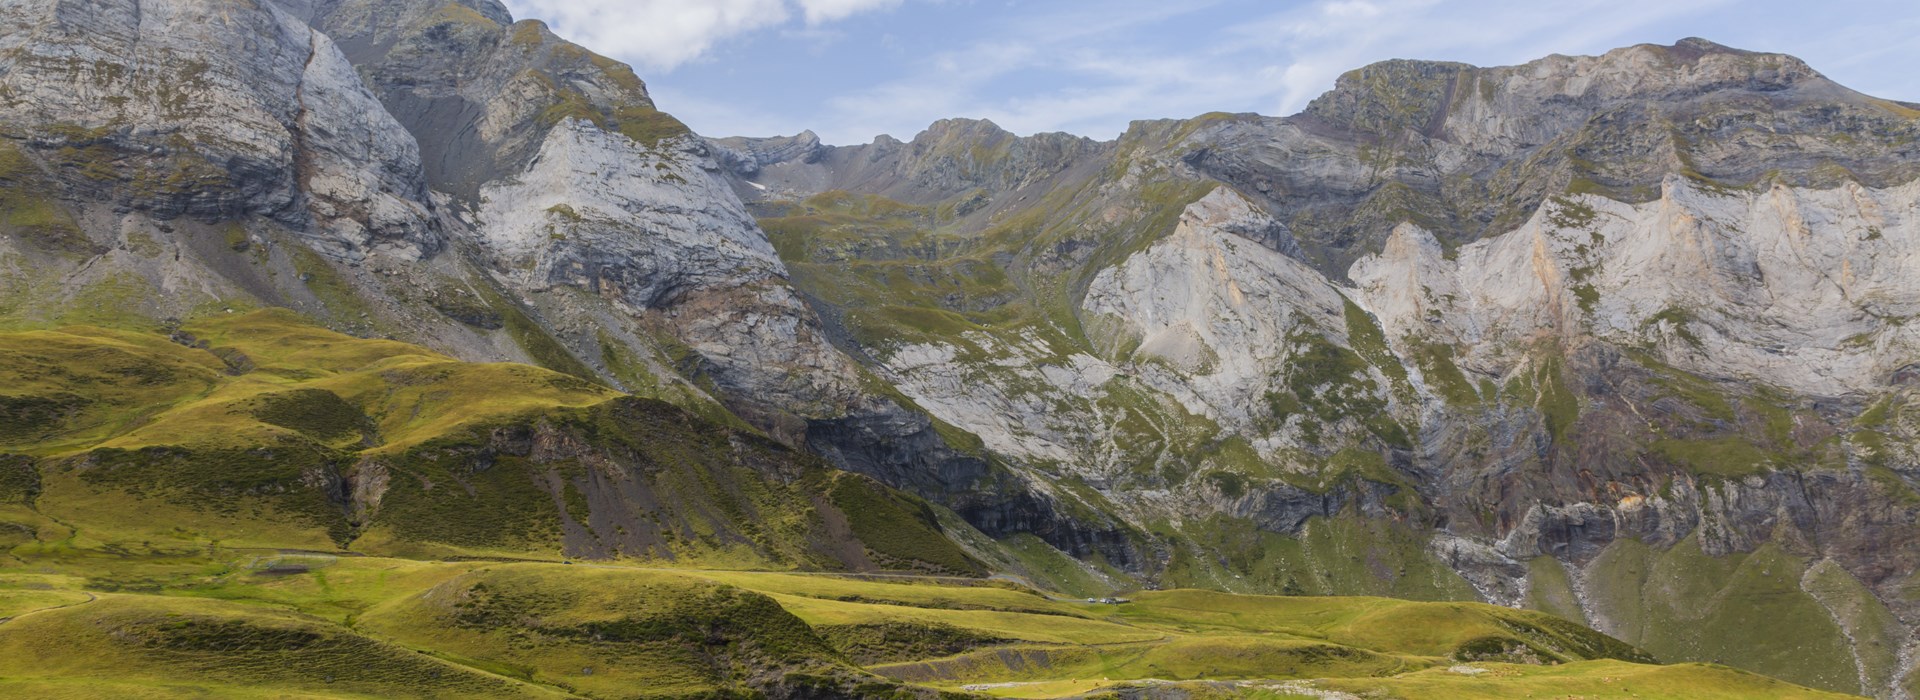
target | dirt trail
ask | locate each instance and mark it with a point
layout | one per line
(90, 598)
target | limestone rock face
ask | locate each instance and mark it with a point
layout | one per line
(1452, 332)
(214, 111)
(1540, 315)
(953, 157)
(746, 156)
(1204, 299)
(1471, 152)
(1803, 289)
(654, 229)
(644, 226)
(1206, 321)
(576, 183)
(479, 90)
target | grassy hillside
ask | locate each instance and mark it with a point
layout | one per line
(252, 506)
(266, 623)
(261, 429)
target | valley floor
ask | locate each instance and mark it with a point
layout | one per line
(154, 620)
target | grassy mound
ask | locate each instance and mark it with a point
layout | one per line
(123, 622)
(1462, 631)
(261, 429)
(191, 514)
(1592, 679)
(885, 642)
(141, 646)
(610, 633)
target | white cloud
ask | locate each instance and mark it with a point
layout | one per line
(1108, 68)
(820, 11)
(1330, 38)
(661, 35)
(1090, 66)
(1351, 8)
(658, 34)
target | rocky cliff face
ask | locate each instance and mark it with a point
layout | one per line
(613, 225)
(1624, 337)
(432, 171)
(1560, 333)
(150, 108)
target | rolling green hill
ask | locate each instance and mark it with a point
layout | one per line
(252, 506)
(263, 430)
(260, 623)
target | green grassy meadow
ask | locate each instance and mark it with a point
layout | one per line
(125, 622)
(251, 506)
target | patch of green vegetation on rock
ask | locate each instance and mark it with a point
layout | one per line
(535, 340)
(1678, 318)
(1327, 383)
(1550, 589)
(337, 296)
(1875, 632)
(1567, 213)
(642, 123)
(1587, 296)
(647, 126)
(1371, 344)
(903, 531)
(28, 207)
(1728, 457)
(1743, 610)
(1878, 414)
(1695, 390)
(1344, 555)
(1350, 467)
(1437, 368)
(1544, 385)
(453, 300)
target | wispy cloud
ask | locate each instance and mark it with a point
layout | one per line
(819, 11)
(661, 35)
(852, 69)
(1108, 66)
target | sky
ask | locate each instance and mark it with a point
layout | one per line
(853, 69)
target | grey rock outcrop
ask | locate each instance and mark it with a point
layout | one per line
(1468, 152)
(746, 156)
(952, 158)
(1541, 313)
(1447, 332)
(216, 113)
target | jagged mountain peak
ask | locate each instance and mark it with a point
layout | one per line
(953, 125)
(1512, 334)
(214, 113)
(479, 90)
(1431, 98)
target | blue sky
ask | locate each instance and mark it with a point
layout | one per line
(852, 69)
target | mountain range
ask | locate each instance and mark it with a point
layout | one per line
(1625, 339)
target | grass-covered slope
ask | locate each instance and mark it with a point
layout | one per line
(151, 646)
(127, 621)
(251, 506)
(263, 430)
